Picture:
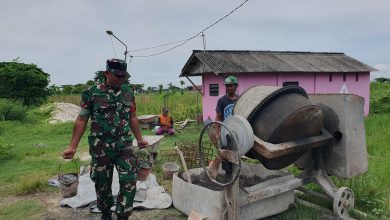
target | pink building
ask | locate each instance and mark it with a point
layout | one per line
(316, 72)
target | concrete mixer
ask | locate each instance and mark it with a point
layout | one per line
(277, 126)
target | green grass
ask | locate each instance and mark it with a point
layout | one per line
(21, 209)
(35, 156)
(372, 189)
(181, 106)
(377, 132)
(379, 98)
(73, 98)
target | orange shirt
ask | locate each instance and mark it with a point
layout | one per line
(165, 120)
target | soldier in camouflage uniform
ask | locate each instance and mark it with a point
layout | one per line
(111, 107)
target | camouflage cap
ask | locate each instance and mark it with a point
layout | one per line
(117, 67)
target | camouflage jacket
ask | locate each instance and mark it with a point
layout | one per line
(109, 111)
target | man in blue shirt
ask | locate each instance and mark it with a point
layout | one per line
(225, 104)
(224, 110)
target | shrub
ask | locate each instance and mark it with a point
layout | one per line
(32, 183)
(44, 111)
(25, 82)
(11, 110)
(5, 151)
(379, 98)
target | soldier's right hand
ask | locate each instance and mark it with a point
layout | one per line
(143, 144)
(68, 153)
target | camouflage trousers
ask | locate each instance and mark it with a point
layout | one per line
(104, 157)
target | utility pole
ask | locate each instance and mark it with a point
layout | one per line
(112, 34)
(204, 41)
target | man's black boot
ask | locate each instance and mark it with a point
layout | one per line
(106, 215)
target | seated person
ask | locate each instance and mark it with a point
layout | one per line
(165, 122)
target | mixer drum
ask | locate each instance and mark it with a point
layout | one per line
(278, 115)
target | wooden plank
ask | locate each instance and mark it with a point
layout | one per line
(184, 123)
(232, 194)
(147, 118)
(269, 150)
(193, 84)
(183, 162)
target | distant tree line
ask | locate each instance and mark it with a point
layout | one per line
(79, 88)
(100, 78)
(30, 85)
(382, 80)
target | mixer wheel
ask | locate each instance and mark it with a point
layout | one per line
(343, 201)
(229, 154)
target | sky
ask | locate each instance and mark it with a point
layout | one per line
(68, 39)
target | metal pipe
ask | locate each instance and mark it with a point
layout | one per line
(313, 193)
(356, 212)
(314, 206)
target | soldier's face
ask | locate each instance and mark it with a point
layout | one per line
(114, 80)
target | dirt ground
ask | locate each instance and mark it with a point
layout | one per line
(51, 201)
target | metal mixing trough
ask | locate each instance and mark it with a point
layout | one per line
(278, 126)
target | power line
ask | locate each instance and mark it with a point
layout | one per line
(161, 45)
(188, 39)
(222, 17)
(164, 51)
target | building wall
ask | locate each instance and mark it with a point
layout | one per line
(248, 80)
(359, 86)
(311, 82)
(210, 102)
(305, 80)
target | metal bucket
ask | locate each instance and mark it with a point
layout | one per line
(68, 182)
(169, 169)
(144, 171)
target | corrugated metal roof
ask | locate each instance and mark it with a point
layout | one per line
(222, 61)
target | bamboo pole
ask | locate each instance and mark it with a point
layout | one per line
(184, 164)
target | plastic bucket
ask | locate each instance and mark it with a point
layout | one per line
(68, 182)
(170, 168)
(144, 171)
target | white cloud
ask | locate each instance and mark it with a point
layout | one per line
(382, 67)
(383, 71)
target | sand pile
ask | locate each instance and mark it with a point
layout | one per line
(64, 112)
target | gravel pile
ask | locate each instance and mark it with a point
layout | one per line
(64, 112)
